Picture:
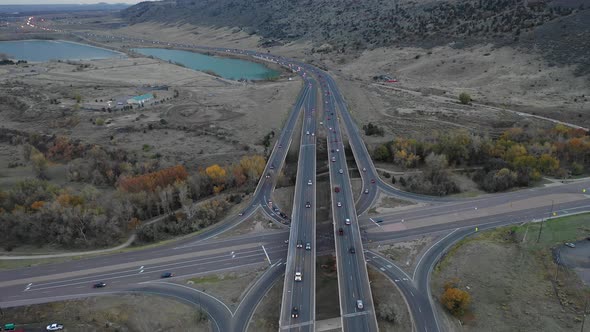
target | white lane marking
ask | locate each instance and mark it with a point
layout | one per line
(419, 309)
(376, 224)
(358, 313)
(265, 253)
(411, 293)
(396, 280)
(382, 268)
(28, 287)
(389, 266)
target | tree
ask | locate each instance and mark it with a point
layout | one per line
(216, 173)
(39, 164)
(464, 98)
(381, 153)
(385, 311)
(455, 300)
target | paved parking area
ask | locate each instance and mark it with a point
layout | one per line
(577, 258)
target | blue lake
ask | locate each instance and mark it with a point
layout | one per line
(229, 68)
(45, 50)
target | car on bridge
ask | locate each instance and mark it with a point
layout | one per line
(167, 275)
(352, 250)
(299, 244)
(295, 312)
(366, 191)
(339, 204)
(359, 304)
(308, 205)
(298, 276)
(333, 159)
(340, 171)
(308, 246)
(309, 182)
(347, 221)
(336, 189)
(340, 231)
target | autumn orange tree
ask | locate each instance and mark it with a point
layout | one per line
(455, 300)
(151, 181)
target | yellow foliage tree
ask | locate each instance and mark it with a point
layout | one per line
(253, 166)
(216, 173)
(455, 300)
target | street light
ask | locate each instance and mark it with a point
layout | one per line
(541, 228)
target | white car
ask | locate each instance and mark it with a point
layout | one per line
(364, 169)
(297, 276)
(309, 182)
(307, 133)
(340, 171)
(569, 244)
(366, 191)
(347, 221)
(54, 327)
(359, 304)
(339, 204)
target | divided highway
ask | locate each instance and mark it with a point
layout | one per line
(356, 301)
(138, 270)
(298, 304)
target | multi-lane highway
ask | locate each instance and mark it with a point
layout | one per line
(140, 270)
(356, 301)
(298, 304)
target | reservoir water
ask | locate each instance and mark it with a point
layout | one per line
(45, 50)
(229, 68)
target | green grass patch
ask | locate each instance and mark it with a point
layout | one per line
(554, 231)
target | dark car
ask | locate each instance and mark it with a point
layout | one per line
(372, 180)
(352, 250)
(340, 231)
(308, 205)
(299, 244)
(99, 285)
(336, 189)
(295, 312)
(167, 275)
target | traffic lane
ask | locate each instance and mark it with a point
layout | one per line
(246, 308)
(549, 203)
(139, 272)
(293, 291)
(503, 218)
(418, 303)
(108, 261)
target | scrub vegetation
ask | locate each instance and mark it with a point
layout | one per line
(518, 157)
(111, 193)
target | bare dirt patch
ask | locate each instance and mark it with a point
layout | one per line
(406, 254)
(511, 285)
(385, 204)
(128, 312)
(228, 287)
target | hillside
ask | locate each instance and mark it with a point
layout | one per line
(559, 29)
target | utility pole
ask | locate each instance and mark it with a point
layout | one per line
(584, 315)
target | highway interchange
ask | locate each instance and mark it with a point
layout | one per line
(451, 219)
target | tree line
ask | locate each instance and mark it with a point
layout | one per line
(518, 157)
(118, 193)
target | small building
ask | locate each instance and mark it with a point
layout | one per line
(140, 100)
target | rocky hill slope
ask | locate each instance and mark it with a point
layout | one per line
(560, 29)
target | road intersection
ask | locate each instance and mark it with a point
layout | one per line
(139, 270)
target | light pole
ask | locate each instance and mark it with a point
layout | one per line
(541, 228)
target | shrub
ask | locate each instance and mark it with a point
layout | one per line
(455, 300)
(464, 98)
